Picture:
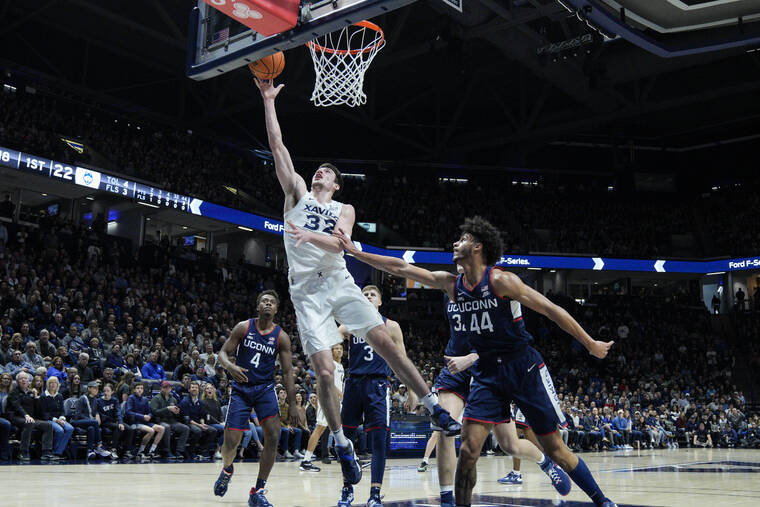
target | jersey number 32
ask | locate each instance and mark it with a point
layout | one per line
(313, 223)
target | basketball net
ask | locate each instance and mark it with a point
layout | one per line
(340, 60)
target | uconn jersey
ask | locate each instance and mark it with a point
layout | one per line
(312, 216)
(489, 323)
(367, 397)
(257, 353)
(363, 360)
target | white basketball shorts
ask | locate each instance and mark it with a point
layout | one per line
(322, 298)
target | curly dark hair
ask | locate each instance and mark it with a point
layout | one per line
(268, 292)
(486, 234)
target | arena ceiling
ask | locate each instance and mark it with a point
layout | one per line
(449, 87)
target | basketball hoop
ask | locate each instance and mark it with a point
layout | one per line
(340, 60)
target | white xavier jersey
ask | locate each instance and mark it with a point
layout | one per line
(340, 376)
(320, 218)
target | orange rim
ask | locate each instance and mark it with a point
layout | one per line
(365, 24)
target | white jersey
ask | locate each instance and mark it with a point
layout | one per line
(310, 215)
(340, 376)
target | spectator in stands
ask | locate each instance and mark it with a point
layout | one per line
(702, 437)
(44, 347)
(52, 410)
(130, 365)
(86, 373)
(184, 368)
(86, 417)
(166, 412)
(289, 437)
(125, 386)
(17, 364)
(114, 359)
(26, 414)
(137, 410)
(311, 411)
(213, 410)
(56, 369)
(74, 343)
(203, 437)
(109, 411)
(31, 357)
(152, 370)
(305, 433)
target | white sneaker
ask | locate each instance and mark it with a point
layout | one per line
(217, 455)
(489, 452)
(298, 455)
(288, 455)
(114, 454)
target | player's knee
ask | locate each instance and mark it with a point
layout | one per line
(325, 375)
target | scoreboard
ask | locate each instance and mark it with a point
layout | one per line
(93, 179)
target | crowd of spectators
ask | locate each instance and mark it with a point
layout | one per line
(119, 349)
(563, 216)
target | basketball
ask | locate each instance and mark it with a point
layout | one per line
(268, 67)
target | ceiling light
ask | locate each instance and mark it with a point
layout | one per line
(147, 204)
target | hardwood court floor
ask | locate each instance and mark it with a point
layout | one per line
(682, 477)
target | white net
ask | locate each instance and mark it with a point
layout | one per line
(340, 60)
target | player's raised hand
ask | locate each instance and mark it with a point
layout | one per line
(600, 349)
(300, 235)
(267, 88)
(238, 373)
(345, 241)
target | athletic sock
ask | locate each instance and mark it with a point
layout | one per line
(153, 448)
(142, 448)
(430, 400)
(308, 455)
(378, 439)
(260, 483)
(229, 469)
(425, 460)
(340, 438)
(542, 461)
(582, 477)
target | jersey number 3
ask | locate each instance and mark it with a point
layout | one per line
(313, 221)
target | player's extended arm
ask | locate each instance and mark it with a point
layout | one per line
(442, 280)
(286, 363)
(292, 183)
(509, 285)
(327, 242)
(398, 339)
(229, 347)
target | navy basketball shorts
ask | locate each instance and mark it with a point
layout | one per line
(524, 379)
(260, 398)
(366, 401)
(457, 383)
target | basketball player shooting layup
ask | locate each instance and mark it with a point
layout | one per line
(255, 344)
(485, 304)
(323, 291)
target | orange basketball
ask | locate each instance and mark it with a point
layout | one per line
(268, 67)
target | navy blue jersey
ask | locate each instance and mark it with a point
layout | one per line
(257, 353)
(459, 342)
(363, 360)
(487, 322)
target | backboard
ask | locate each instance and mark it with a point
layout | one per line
(218, 44)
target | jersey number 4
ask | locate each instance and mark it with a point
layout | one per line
(485, 323)
(313, 223)
(255, 359)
